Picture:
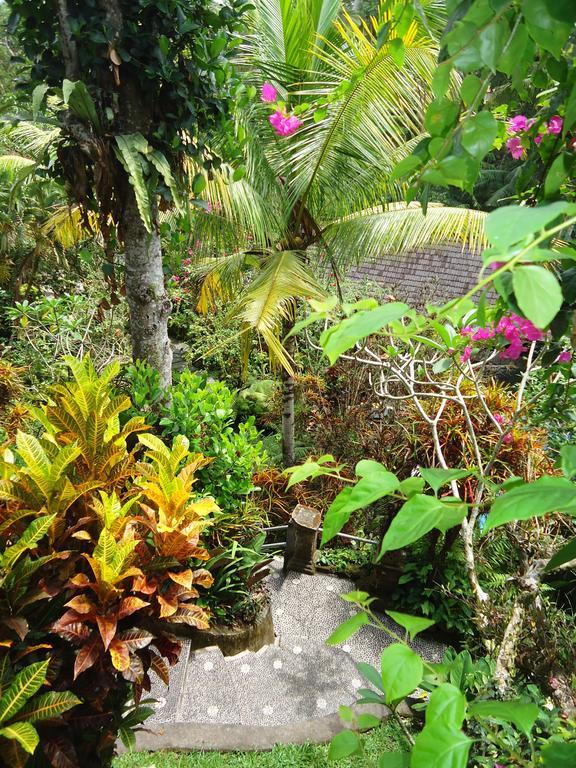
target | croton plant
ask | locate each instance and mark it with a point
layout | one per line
(100, 536)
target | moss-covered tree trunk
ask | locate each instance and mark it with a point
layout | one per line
(146, 293)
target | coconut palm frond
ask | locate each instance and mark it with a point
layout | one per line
(34, 139)
(15, 167)
(270, 299)
(347, 156)
(402, 228)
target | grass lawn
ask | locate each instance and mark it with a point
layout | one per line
(387, 738)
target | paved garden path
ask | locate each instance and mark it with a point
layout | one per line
(299, 679)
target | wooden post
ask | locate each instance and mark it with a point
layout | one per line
(302, 540)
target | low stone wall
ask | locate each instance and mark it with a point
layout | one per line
(230, 640)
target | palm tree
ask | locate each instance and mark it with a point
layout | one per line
(325, 196)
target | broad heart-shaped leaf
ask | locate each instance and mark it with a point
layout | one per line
(559, 754)
(402, 671)
(414, 519)
(412, 624)
(447, 705)
(513, 223)
(478, 134)
(538, 294)
(545, 495)
(440, 116)
(22, 688)
(521, 713)
(24, 733)
(375, 482)
(348, 628)
(565, 555)
(360, 325)
(547, 31)
(344, 744)
(440, 746)
(437, 477)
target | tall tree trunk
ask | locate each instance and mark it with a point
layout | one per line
(288, 451)
(147, 299)
(288, 424)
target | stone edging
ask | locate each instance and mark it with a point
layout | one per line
(233, 738)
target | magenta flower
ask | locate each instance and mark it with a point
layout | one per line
(466, 354)
(175, 279)
(518, 124)
(284, 125)
(514, 146)
(499, 418)
(467, 331)
(507, 438)
(268, 94)
(538, 138)
(555, 124)
(496, 265)
(483, 333)
(564, 357)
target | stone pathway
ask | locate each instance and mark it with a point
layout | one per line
(297, 679)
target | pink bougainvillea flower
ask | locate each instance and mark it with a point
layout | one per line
(518, 124)
(483, 333)
(555, 124)
(499, 418)
(538, 138)
(514, 146)
(467, 331)
(175, 279)
(466, 354)
(284, 125)
(564, 357)
(507, 439)
(268, 94)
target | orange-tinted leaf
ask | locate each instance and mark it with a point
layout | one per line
(135, 639)
(144, 585)
(107, 627)
(193, 615)
(81, 604)
(31, 649)
(70, 617)
(119, 654)
(6, 643)
(130, 605)
(18, 624)
(135, 672)
(184, 578)
(199, 553)
(75, 633)
(80, 580)
(82, 535)
(87, 655)
(203, 577)
(161, 668)
(167, 608)
(60, 753)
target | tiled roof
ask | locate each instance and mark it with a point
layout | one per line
(432, 275)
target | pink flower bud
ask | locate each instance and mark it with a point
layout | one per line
(555, 124)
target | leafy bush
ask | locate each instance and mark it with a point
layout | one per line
(204, 412)
(95, 541)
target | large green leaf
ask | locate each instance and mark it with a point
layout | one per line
(440, 746)
(558, 754)
(402, 671)
(375, 482)
(545, 495)
(447, 705)
(522, 714)
(344, 744)
(48, 705)
(564, 555)
(538, 294)
(414, 519)
(513, 223)
(36, 530)
(22, 688)
(412, 624)
(24, 733)
(128, 152)
(77, 99)
(348, 628)
(547, 31)
(478, 134)
(437, 477)
(341, 337)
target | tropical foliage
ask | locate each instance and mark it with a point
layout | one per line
(97, 539)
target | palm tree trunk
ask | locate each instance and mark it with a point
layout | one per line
(288, 441)
(147, 299)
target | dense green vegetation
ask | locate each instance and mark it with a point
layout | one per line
(187, 183)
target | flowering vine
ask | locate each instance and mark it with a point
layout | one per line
(520, 125)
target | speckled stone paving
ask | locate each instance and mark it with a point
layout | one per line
(298, 678)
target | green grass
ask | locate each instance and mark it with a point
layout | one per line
(387, 738)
